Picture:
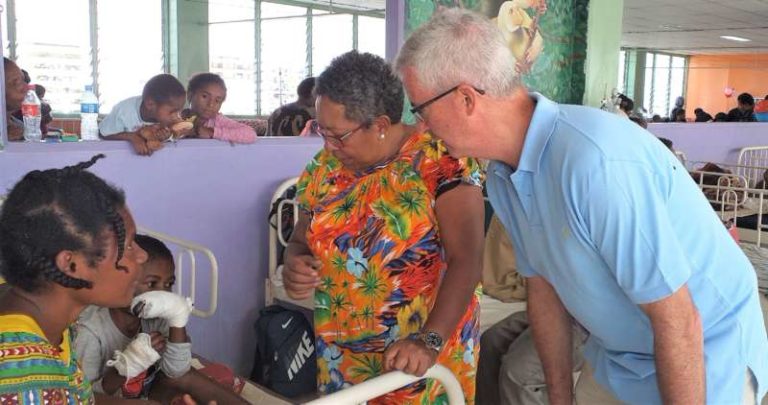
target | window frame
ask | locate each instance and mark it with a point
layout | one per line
(310, 9)
(93, 29)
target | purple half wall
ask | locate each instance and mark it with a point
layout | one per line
(717, 142)
(204, 191)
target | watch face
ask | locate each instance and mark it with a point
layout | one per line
(434, 340)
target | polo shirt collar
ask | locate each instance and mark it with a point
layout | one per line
(539, 131)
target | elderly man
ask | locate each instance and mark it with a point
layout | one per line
(607, 226)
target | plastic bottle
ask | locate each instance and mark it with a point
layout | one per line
(89, 115)
(30, 110)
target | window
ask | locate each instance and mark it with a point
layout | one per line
(54, 46)
(621, 85)
(232, 53)
(296, 41)
(55, 55)
(664, 82)
(130, 48)
(283, 54)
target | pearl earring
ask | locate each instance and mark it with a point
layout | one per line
(381, 136)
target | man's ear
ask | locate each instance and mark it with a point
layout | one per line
(469, 98)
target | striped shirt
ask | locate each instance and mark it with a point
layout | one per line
(33, 371)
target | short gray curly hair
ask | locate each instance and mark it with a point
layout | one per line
(459, 46)
(365, 85)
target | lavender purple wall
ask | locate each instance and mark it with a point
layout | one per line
(713, 142)
(204, 191)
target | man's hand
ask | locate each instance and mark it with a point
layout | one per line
(163, 304)
(300, 276)
(410, 356)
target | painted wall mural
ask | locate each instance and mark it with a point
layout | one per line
(547, 37)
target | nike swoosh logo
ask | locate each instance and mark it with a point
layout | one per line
(285, 325)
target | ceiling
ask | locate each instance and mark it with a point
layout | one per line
(694, 26)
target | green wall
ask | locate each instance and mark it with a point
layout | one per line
(581, 40)
(188, 38)
(558, 71)
(603, 45)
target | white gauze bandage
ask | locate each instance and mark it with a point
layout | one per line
(135, 358)
(175, 309)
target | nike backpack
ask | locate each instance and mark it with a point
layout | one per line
(286, 360)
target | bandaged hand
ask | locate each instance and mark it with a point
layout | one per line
(175, 309)
(135, 358)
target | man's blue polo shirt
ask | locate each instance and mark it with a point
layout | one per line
(607, 215)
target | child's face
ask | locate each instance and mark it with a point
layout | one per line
(157, 275)
(207, 100)
(167, 113)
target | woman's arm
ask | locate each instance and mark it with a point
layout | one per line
(460, 215)
(300, 271)
(227, 129)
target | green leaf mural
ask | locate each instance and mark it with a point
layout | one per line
(558, 71)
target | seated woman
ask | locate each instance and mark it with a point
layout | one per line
(66, 241)
(154, 351)
(15, 91)
(389, 240)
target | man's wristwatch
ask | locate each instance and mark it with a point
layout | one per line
(431, 339)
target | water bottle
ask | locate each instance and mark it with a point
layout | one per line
(30, 110)
(89, 115)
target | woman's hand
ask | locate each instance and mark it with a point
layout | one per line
(410, 356)
(201, 130)
(300, 275)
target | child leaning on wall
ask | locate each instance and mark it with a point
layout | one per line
(142, 350)
(207, 92)
(146, 121)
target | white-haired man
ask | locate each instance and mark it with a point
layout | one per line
(607, 225)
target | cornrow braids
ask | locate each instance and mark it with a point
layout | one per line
(53, 210)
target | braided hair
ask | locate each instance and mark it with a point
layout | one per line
(53, 210)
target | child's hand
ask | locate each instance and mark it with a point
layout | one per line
(158, 341)
(162, 304)
(140, 145)
(135, 358)
(155, 132)
(201, 130)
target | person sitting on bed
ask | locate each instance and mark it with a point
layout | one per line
(610, 231)
(143, 351)
(388, 241)
(66, 241)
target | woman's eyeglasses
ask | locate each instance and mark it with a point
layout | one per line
(330, 137)
(418, 110)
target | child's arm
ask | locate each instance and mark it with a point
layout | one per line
(227, 129)
(138, 143)
(177, 357)
(89, 351)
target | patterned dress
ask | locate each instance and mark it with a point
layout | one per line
(32, 371)
(377, 237)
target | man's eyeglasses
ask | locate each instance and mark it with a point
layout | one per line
(417, 110)
(330, 137)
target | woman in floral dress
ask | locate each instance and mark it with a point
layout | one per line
(389, 240)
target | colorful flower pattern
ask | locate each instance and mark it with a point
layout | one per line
(377, 236)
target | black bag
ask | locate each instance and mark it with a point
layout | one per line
(286, 360)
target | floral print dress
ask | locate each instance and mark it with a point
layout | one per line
(377, 237)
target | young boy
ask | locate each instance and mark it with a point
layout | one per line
(143, 351)
(145, 121)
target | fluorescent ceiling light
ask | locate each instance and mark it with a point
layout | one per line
(737, 39)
